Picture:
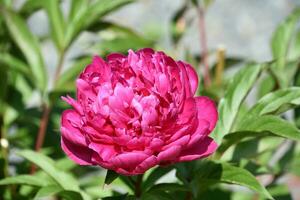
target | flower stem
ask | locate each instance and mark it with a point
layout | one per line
(203, 45)
(220, 65)
(46, 112)
(42, 132)
(138, 189)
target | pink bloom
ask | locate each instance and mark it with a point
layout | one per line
(137, 111)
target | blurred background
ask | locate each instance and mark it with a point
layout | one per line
(45, 44)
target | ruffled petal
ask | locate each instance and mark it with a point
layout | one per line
(199, 150)
(207, 110)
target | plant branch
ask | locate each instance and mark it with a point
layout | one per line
(46, 112)
(42, 132)
(59, 67)
(203, 45)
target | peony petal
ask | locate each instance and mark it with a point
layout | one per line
(79, 154)
(199, 150)
(73, 103)
(189, 111)
(207, 110)
(68, 121)
(128, 161)
(169, 154)
(115, 56)
(201, 132)
(193, 77)
(181, 141)
(146, 164)
(106, 152)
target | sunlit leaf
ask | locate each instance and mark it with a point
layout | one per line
(277, 102)
(236, 92)
(54, 190)
(273, 124)
(28, 45)
(24, 180)
(215, 172)
(57, 22)
(90, 15)
(48, 165)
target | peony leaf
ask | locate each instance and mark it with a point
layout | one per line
(57, 22)
(30, 6)
(54, 190)
(89, 15)
(154, 176)
(273, 124)
(64, 180)
(24, 180)
(28, 45)
(110, 176)
(229, 105)
(14, 63)
(68, 77)
(77, 8)
(215, 172)
(168, 187)
(277, 102)
(282, 37)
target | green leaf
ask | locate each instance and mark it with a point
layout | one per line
(234, 138)
(48, 165)
(90, 15)
(57, 22)
(63, 179)
(277, 102)
(69, 76)
(24, 180)
(237, 91)
(54, 190)
(273, 124)
(110, 176)
(47, 191)
(168, 187)
(155, 175)
(284, 76)
(216, 172)
(14, 64)
(77, 8)
(30, 6)
(28, 45)
(282, 37)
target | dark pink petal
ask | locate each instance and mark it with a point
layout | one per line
(74, 104)
(181, 142)
(207, 110)
(128, 161)
(106, 152)
(68, 128)
(147, 164)
(115, 56)
(169, 154)
(201, 132)
(199, 150)
(193, 77)
(79, 154)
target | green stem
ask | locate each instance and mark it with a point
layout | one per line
(138, 188)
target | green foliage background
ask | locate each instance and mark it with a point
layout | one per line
(257, 141)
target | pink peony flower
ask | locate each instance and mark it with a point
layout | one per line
(137, 111)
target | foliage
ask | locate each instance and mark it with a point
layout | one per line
(248, 136)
